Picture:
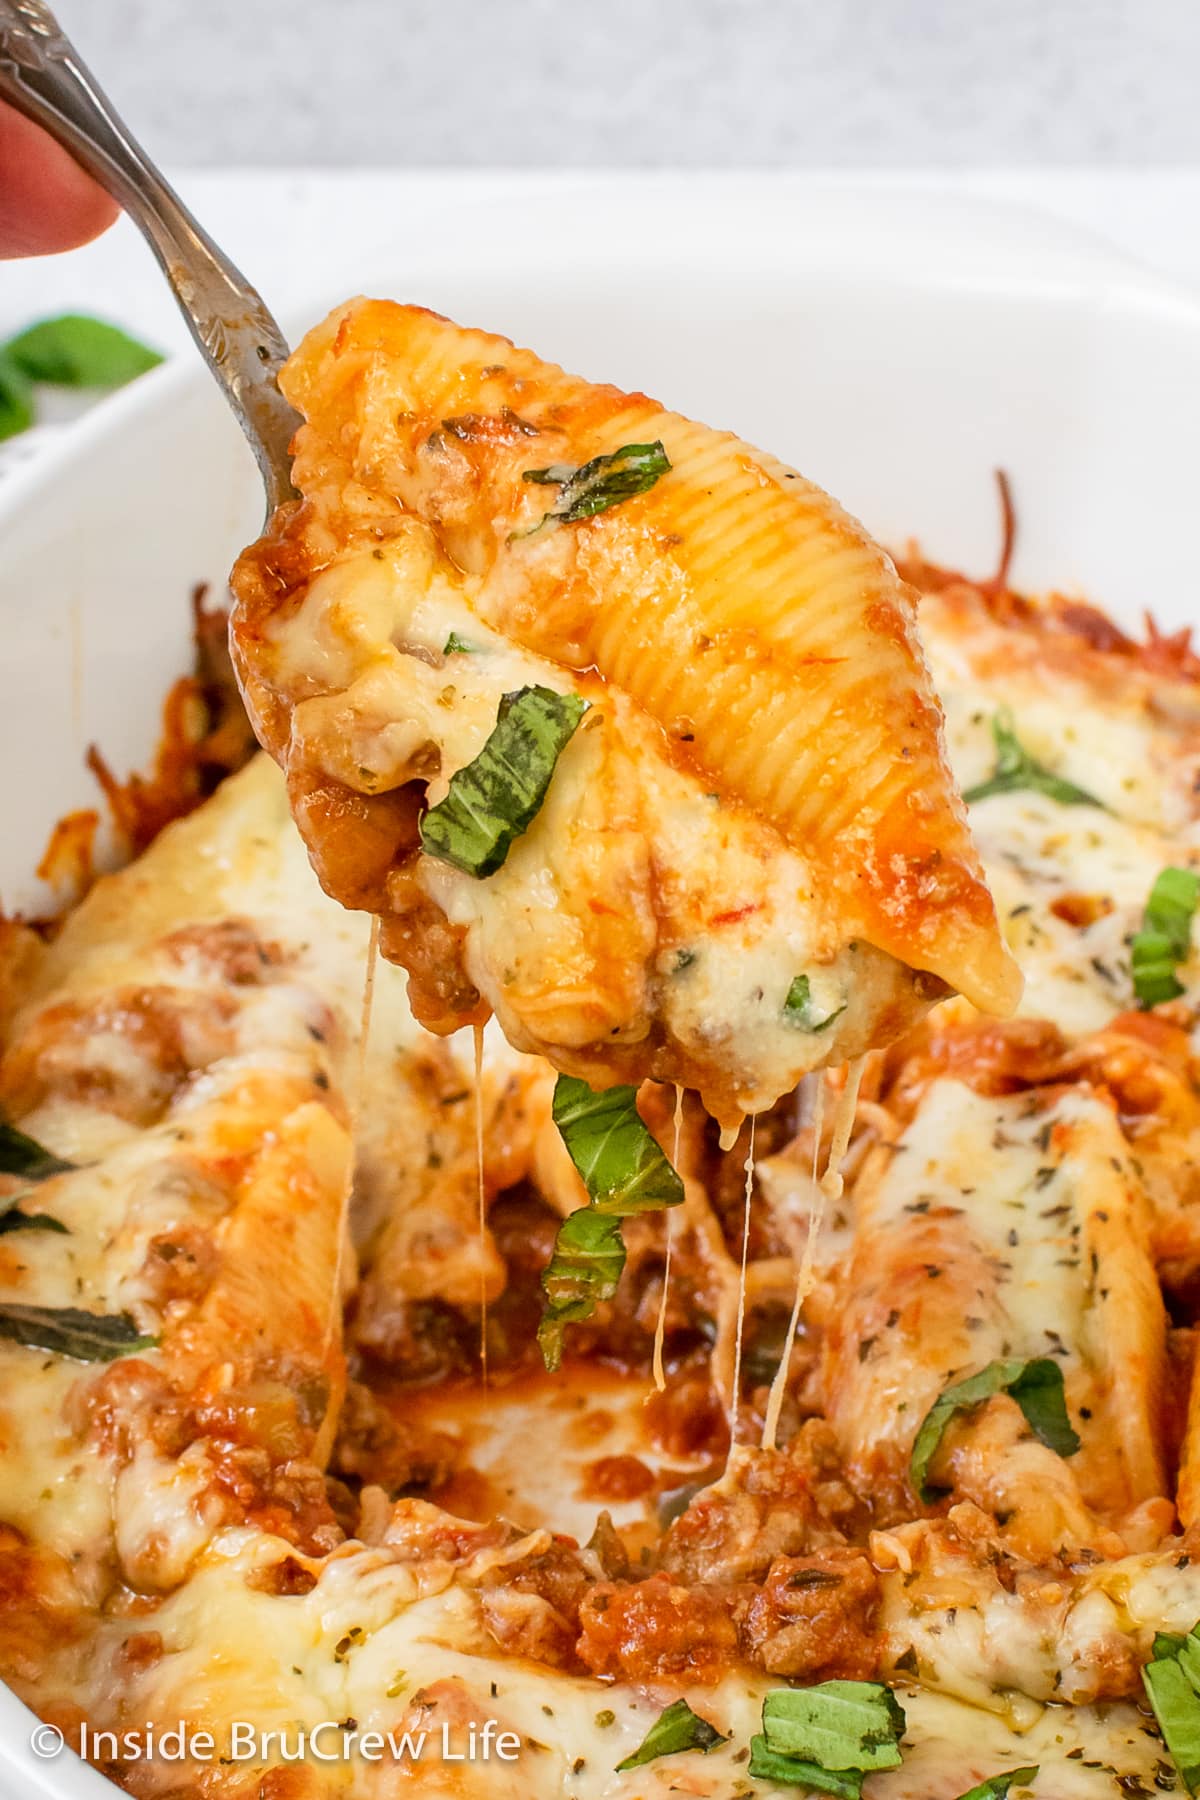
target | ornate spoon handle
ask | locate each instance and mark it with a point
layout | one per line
(43, 76)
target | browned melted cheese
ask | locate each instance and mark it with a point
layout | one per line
(301, 1505)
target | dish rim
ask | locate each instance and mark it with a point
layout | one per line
(1055, 258)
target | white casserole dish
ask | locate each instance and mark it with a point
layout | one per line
(896, 346)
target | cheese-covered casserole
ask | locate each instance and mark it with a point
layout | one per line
(912, 1511)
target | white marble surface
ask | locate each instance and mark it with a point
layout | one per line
(298, 233)
(658, 83)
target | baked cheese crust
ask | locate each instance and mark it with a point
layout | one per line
(299, 1507)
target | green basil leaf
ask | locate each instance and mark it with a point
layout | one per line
(1038, 1391)
(1172, 906)
(996, 1786)
(1166, 1643)
(837, 1725)
(766, 1763)
(1037, 1388)
(1177, 1708)
(87, 1336)
(492, 800)
(24, 1156)
(677, 1728)
(1152, 965)
(599, 484)
(1165, 938)
(77, 351)
(13, 1219)
(1188, 1657)
(802, 1011)
(584, 1269)
(1016, 770)
(624, 1172)
(623, 1168)
(456, 646)
(16, 399)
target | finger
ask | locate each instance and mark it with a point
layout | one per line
(47, 203)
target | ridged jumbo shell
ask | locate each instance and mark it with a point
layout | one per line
(734, 601)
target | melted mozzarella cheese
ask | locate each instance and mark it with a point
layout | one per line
(999, 1229)
(54, 1486)
(1102, 747)
(287, 1037)
(392, 1648)
(1036, 851)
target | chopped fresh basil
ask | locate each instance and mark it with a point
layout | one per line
(1016, 769)
(1165, 938)
(603, 482)
(24, 1156)
(89, 1337)
(845, 1784)
(456, 646)
(837, 1725)
(677, 1728)
(1176, 1704)
(827, 1738)
(996, 1786)
(1172, 906)
(77, 351)
(623, 1168)
(16, 398)
(624, 1172)
(13, 1219)
(1037, 1388)
(496, 797)
(1152, 965)
(802, 1011)
(584, 1269)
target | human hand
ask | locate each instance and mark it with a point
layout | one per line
(47, 203)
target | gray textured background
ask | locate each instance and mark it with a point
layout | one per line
(555, 83)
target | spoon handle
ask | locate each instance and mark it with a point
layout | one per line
(43, 76)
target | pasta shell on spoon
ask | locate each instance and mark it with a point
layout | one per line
(621, 726)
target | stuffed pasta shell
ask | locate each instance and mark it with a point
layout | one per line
(620, 725)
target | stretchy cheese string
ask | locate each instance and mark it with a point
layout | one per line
(483, 1357)
(818, 1122)
(741, 1312)
(368, 1002)
(828, 1188)
(843, 1124)
(660, 1329)
(779, 1384)
(356, 1098)
(804, 1275)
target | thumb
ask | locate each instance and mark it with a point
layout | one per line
(47, 203)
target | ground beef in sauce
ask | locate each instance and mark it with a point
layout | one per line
(813, 1617)
(656, 1628)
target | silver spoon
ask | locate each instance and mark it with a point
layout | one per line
(43, 76)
